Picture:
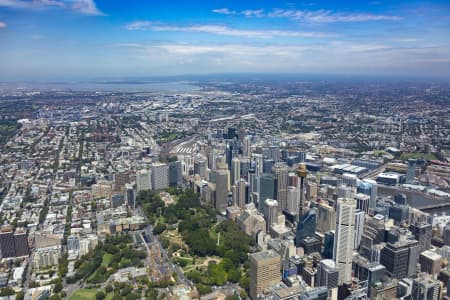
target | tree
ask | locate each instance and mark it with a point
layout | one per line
(108, 289)
(20, 295)
(159, 229)
(58, 287)
(54, 297)
(7, 291)
(100, 295)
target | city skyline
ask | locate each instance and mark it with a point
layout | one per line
(49, 40)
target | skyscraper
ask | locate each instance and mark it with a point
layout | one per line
(21, 242)
(265, 269)
(280, 171)
(175, 173)
(130, 195)
(306, 226)
(292, 200)
(266, 184)
(359, 227)
(270, 212)
(7, 242)
(160, 176)
(344, 238)
(425, 288)
(422, 232)
(235, 170)
(200, 167)
(430, 262)
(241, 193)
(222, 189)
(327, 274)
(143, 180)
(400, 258)
(326, 217)
(302, 172)
(328, 243)
(362, 202)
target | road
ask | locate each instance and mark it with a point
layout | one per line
(153, 239)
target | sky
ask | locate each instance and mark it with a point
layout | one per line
(82, 39)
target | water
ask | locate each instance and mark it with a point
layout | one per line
(108, 86)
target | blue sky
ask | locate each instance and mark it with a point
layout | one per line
(54, 39)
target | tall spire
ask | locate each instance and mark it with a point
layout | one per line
(301, 172)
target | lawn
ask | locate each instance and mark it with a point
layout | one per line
(84, 294)
(106, 259)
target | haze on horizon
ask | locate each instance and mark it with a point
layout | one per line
(53, 39)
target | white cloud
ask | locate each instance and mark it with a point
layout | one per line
(338, 56)
(316, 16)
(224, 30)
(87, 7)
(258, 13)
(327, 16)
(405, 40)
(2, 25)
(224, 11)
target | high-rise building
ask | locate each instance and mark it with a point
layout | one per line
(318, 293)
(268, 165)
(247, 146)
(411, 171)
(344, 238)
(328, 244)
(362, 202)
(302, 172)
(422, 232)
(373, 234)
(265, 269)
(175, 173)
(425, 288)
(350, 180)
(235, 170)
(200, 167)
(121, 177)
(143, 180)
(266, 189)
(430, 262)
(258, 163)
(274, 153)
(306, 226)
(7, 246)
(326, 217)
(292, 200)
(241, 193)
(21, 242)
(359, 227)
(280, 171)
(369, 187)
(222, 189)
(117, 200)
(73, 243)
(245, 166)
(399, 213)
(270, 212)
(160, 176)
(327, 274)
(130, 195)
(446, 235)
(400, 258)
